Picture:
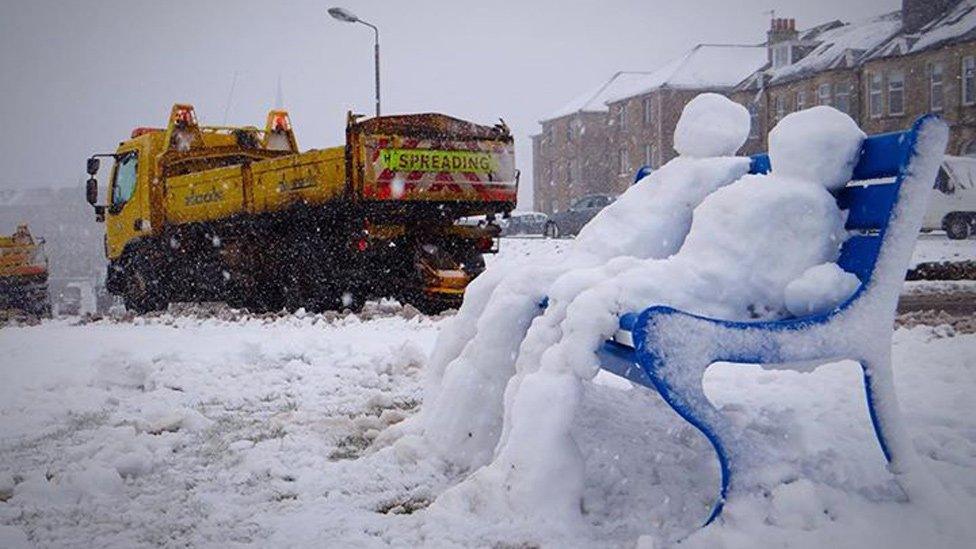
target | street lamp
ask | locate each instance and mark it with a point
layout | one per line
(347, 16)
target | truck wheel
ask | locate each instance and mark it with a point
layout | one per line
(551, 230)
(142, 292)
(430, 306)
(957, 227)
(266, 297)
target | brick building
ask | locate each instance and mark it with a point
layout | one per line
(929, 66)
(569, 157)
(643, 115)
(884, 71)
(807, 68)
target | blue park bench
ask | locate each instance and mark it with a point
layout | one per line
(663, 348)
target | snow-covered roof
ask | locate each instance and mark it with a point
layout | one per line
(706, 66)
(837, 45)
(595, 100)
(959, 23)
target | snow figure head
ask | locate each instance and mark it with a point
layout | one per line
(711, 125)
(817, 145)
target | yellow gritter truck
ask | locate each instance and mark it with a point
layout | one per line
(238, 214)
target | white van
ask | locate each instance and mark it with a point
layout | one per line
(952, 207)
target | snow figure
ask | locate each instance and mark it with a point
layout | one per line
(749, 241)
(474, 356)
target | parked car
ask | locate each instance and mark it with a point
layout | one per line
(952, 207)
(524, 223)
(579, 213)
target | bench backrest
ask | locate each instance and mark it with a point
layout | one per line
(869, 207)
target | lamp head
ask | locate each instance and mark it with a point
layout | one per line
(342, 14)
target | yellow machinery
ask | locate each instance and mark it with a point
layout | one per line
(23, 273)
(239, 214)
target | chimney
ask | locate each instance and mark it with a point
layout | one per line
(781, 30)
(915, 14)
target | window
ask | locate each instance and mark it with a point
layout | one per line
(568, 171)
(550, 134)
(781, 56)
(569, 131)
(124, 179)
(622, 115)
(874, 95)
(649, 155)
(647, 111)
(968, 80)
(624, 166)
(801, 100)
(936, 95)
(780, 107)
(842, 97)
(823, 94)
(753, 121)
(896, 93)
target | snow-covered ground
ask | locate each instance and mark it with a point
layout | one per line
(190, 431)
(936, 247)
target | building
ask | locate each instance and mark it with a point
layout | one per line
(929, 66)
(569, 157)
(643, 114)
(812, 67)
(885, 72)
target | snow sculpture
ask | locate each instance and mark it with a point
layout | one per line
(474, 356)
(748, 242)
(709, 127)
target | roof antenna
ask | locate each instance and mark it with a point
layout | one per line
(279, 95)
(230, 96)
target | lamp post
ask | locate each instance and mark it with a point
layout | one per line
(347, 16)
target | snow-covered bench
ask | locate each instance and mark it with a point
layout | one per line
(669, 350)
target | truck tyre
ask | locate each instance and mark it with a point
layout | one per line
(551, 230)
(957, 226)
(142, 292)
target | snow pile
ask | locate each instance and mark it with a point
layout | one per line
(475, 355)
(709, 126)
(819, 290)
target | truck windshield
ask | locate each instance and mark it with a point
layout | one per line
(124, 183)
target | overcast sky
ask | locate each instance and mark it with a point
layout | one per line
(76, 76)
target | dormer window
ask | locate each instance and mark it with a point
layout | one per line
(782, 55)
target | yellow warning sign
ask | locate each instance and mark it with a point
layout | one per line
(428, 160)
